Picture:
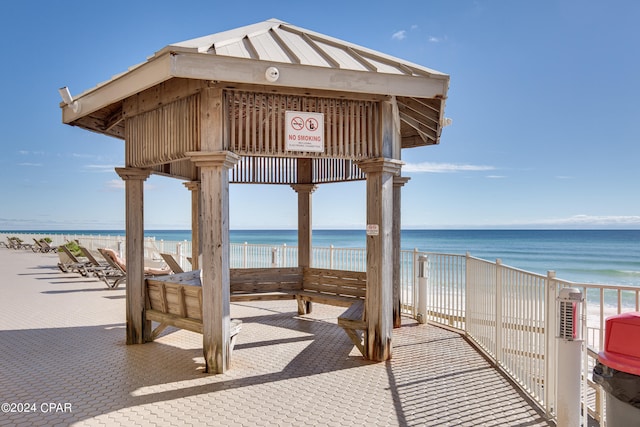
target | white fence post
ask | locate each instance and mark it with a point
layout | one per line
(414, 283)
(569, 357)
(284, 255)
(274, 257)
(423, 280)
(467, 287)
(245, 248)
(550, 344)
(179, 252)
(498, 319)
(331, 257)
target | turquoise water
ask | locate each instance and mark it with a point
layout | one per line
(590, 256)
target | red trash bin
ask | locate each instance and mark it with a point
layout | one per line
(618, 370)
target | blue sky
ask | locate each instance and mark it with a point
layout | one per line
(544, 97)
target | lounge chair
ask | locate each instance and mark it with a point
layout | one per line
(111, 275)
(70, 263)
(114, 260)
(47, 247)
(43, 246)
(172, 263)
(37, 247)
(16, 243)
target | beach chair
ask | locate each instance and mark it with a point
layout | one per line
(37, 247)
(96, 266)
(42, 246)
(111, 275)
(46, 246)
(172, 263)
(16, 243)
(70, 263)
(114, 260)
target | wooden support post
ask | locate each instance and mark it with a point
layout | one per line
(305, 249)
(398, 183)
(196, 248)
(379, 301)
(304, 223)
(214, 178)
(138, 328)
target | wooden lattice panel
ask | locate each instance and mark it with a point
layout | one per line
(164, 134)
(256, 124)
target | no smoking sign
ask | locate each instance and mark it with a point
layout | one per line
(304, 131)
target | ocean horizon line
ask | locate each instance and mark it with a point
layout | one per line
(494, 228)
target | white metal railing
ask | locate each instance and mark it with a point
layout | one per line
(503, 310)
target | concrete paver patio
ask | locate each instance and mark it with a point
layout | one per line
(63, 361)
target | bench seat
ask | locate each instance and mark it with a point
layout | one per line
(353, 323)
(325, 298)
(176, 300)
(262, 296)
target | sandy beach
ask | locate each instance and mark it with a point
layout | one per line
(64, 362)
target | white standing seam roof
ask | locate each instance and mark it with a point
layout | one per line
(277, 41)
(305, 59)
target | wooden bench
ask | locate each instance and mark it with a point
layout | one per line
(262, 284)
(308, 285)
(176, 300)
(354, 324)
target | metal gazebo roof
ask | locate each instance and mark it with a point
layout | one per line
(304, 59)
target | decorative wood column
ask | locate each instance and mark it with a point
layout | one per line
(380, 264)
(305, 249)
(138, 328)
(214, 179)
(196, 248)
(398, 183)
(304, 223)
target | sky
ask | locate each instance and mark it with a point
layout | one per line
(544, 96)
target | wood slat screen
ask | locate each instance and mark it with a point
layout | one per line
(283, 170)
(336, 170)
(256, 124)
(164, 134)
(264, 170)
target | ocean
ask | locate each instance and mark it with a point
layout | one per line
(586, 256)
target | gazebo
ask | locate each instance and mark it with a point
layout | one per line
(269, 103)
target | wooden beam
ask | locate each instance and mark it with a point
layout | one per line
(379, 301)
(305, 223)
(245, 70)
(214, 178)
(398, 183)
(138, 328)
(196, 248)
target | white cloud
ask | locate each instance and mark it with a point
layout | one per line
(114, 185)
(496, 176)
(29, 164)
(434, 39)
(399, 35)
(27, 153)
(100, 168)
(595, 220)
(118, 185)
(428, 167)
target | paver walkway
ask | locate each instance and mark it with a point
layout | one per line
(63, 359)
